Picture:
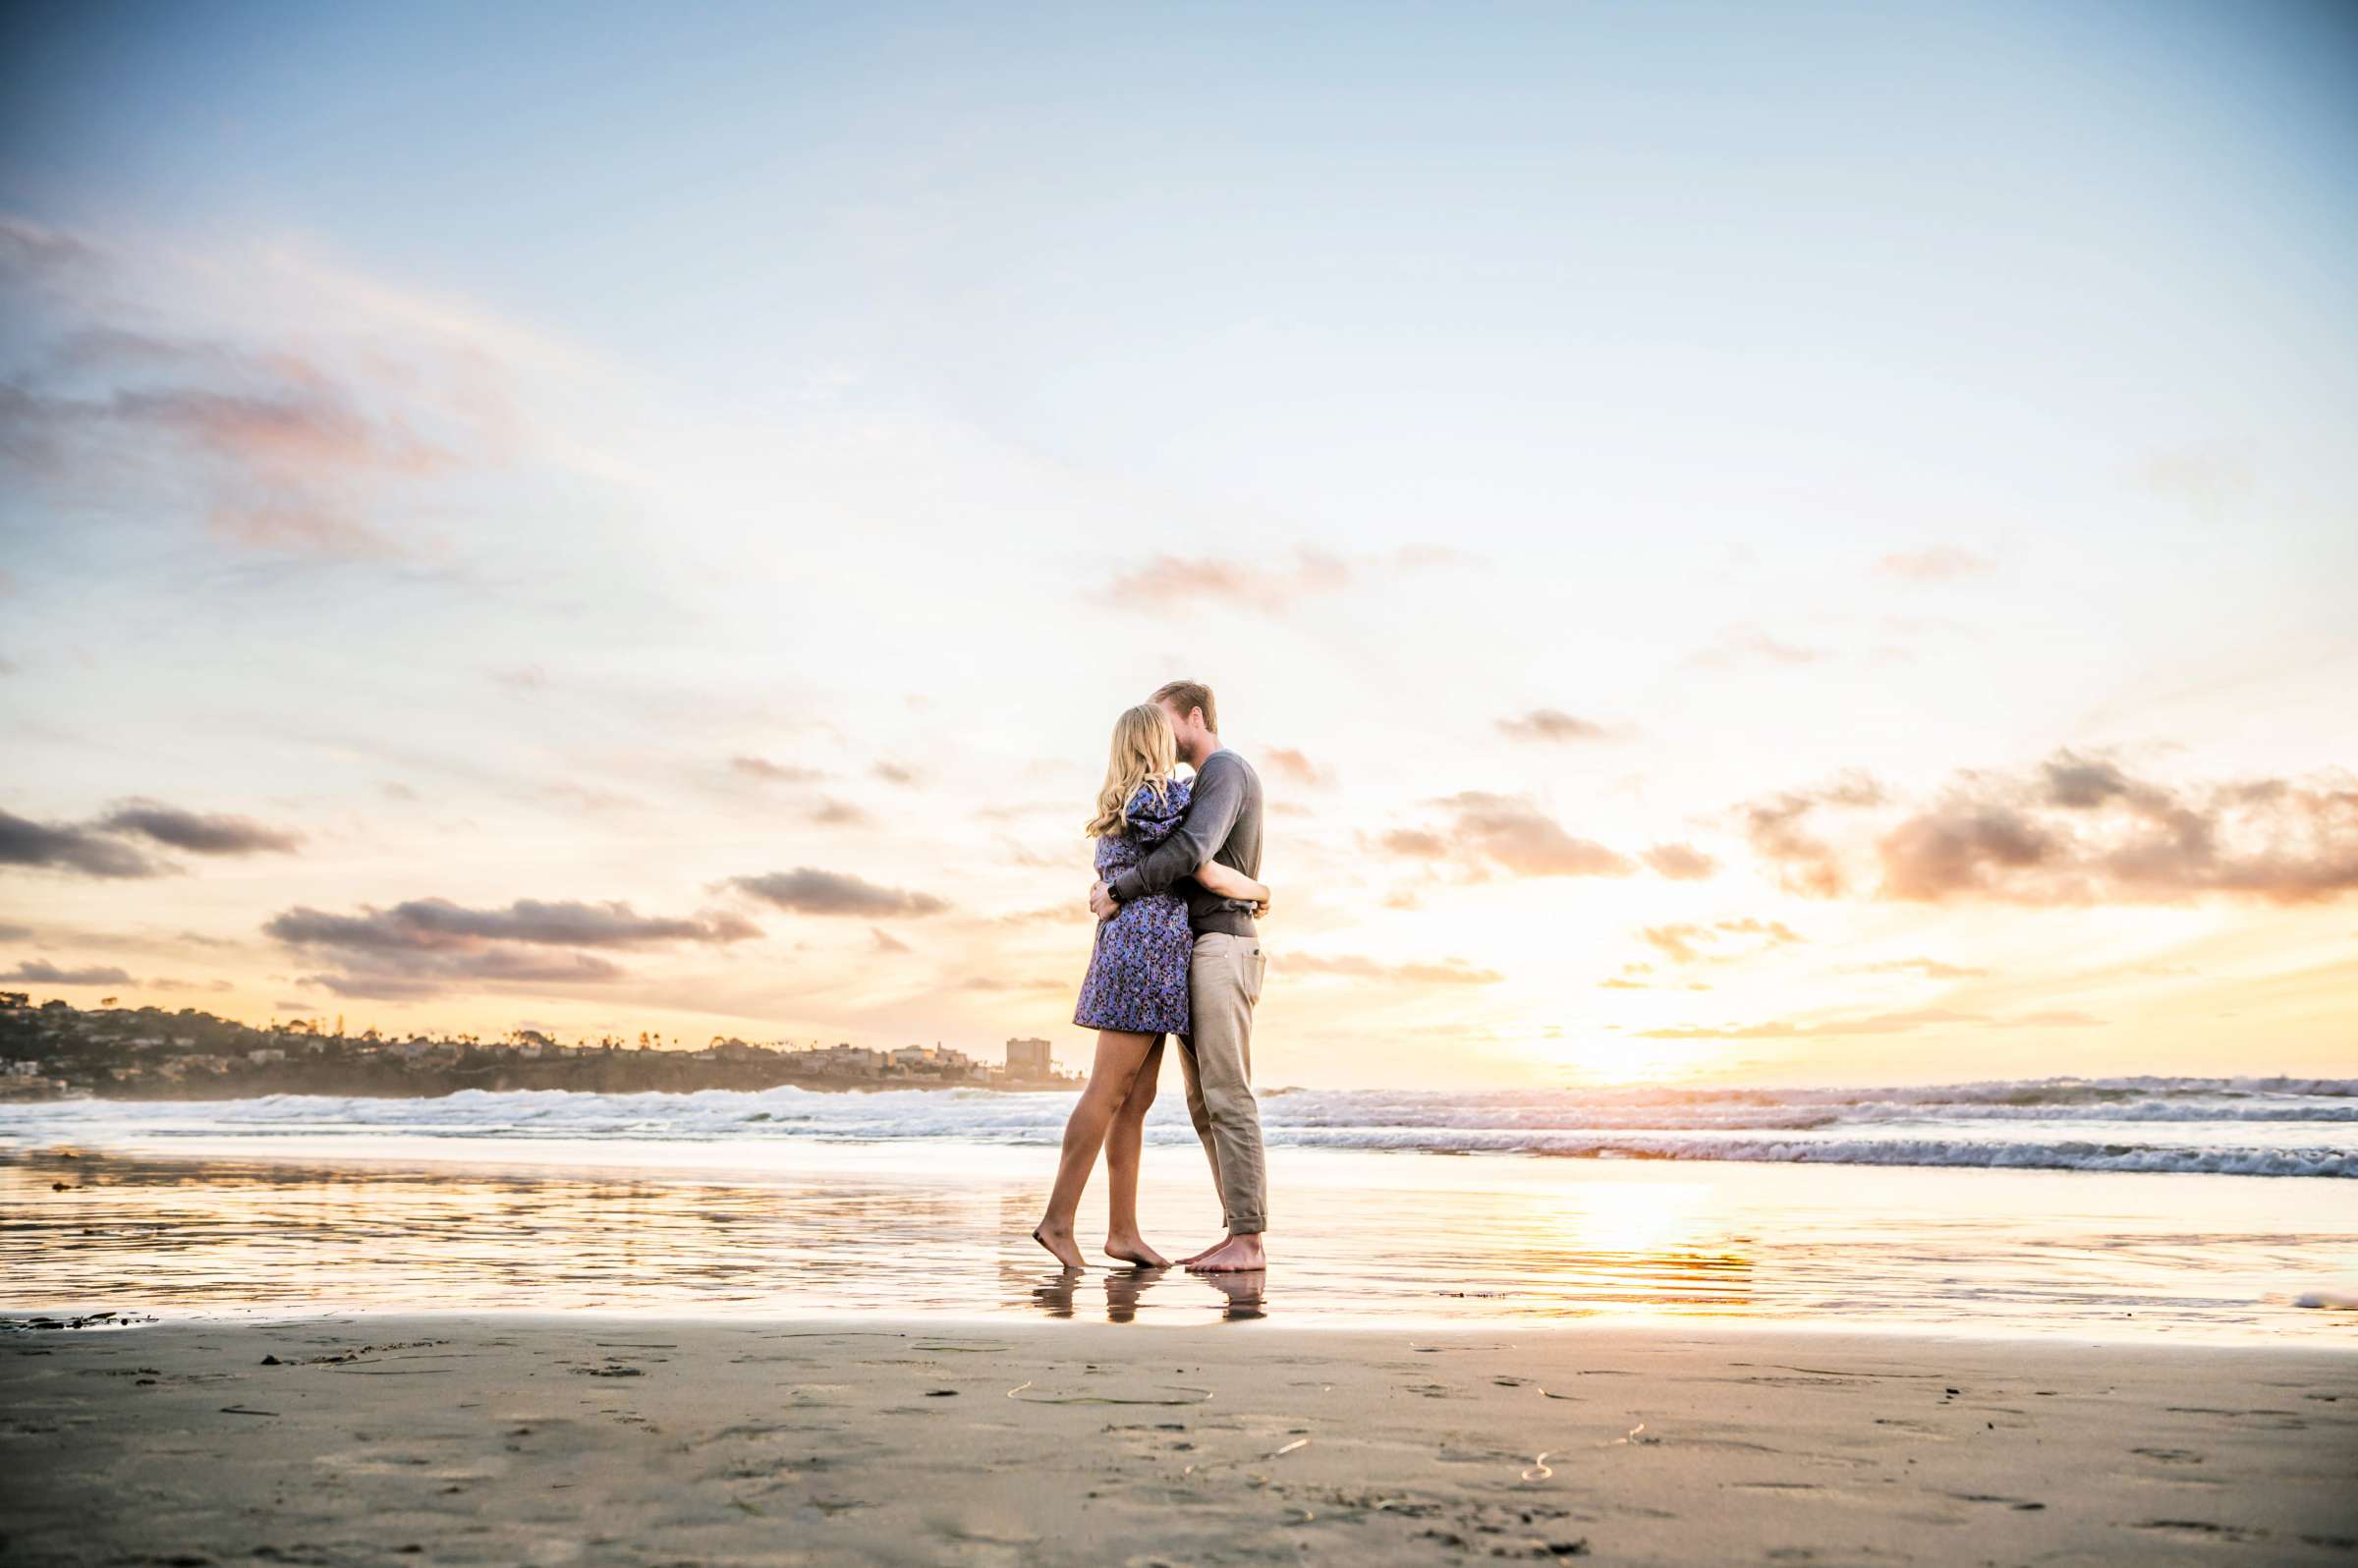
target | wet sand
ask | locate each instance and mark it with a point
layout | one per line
(590, 1438)
(1405, 1240)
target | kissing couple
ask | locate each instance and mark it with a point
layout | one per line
(1177, 954)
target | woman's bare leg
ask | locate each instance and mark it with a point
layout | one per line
(1110, 1076)
(1125, 1143)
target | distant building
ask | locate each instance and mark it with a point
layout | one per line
(734, 1049)
(1029, 1058)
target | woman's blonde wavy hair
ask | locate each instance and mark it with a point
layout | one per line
(1145, 752)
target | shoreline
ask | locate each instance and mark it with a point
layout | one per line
(611, 1437)
(17, 1323)
(799, 1229)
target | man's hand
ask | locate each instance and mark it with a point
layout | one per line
(1261, 911)
(1100, 901)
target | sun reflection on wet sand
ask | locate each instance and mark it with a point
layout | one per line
(1365, 1237)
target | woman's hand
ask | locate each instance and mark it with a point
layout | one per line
(1227, 881)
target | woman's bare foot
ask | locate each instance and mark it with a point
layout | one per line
(1134, 1250)
(1060, 1243)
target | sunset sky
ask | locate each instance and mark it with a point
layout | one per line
(1747, 542)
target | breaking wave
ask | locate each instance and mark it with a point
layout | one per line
(2231, 1126)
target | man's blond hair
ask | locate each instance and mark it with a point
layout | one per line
(1185, 696)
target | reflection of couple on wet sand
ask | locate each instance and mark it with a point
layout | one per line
(1177, 954)
(1054, 1293)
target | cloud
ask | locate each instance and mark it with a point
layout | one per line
(832, 812)
(1290, 765)
(2079, 782)
(425, 946)
(1070, 914)
(1688, 943)
(1772, 933)
(280, 450)
(32, 254)
(1929, 968)
(1552, 725)
(1449, 972)
(1509, 833)
(322, 411)
(1676, 941)
(894, 773)
(1416, 843)
(39, 972)
(61, 846)
(1942, 564)
(886, 942)
(428, 923)
(424, 975)
(763, 769)
(1171, 580)
(1739, 645)
(585, 798)
(2076, 829)
(2080, 830)
(810, 891)
(1680, 862)
(199, 834)
(187, 985)
(1778, 831)
(94, 848)
(1878, 1024)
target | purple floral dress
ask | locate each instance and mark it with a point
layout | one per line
(1137, 979)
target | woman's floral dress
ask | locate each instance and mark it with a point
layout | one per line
(1137, 979)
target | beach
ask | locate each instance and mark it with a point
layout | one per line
(522, 1438)
(783, 1327)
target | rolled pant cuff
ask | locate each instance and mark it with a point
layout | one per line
(1248, 1227)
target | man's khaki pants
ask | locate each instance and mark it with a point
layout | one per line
(1223, 981)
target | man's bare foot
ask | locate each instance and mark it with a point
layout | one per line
(1134, 1250)
(1060, 1243)
(1233, 1256)
(1246, 1292)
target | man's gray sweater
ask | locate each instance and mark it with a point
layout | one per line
(1222, 824)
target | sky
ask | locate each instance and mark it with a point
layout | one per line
(1746, 543)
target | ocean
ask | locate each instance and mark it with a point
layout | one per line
(2205, 1208)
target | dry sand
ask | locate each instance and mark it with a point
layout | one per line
(601, 1439)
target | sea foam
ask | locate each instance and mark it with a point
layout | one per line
(2231, 1126)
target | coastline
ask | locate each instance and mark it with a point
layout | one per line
(505, 1439)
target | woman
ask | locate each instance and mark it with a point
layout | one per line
(1136, 988)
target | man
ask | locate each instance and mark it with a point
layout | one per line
(1224, 973)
